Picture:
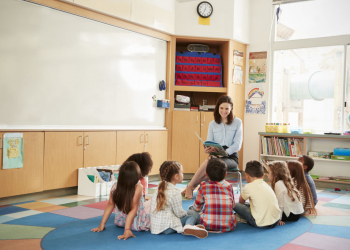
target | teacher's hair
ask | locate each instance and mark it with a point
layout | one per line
(217, 117)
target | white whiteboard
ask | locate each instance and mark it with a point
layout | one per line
(57, 68)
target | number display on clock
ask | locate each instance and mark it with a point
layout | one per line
(204, 9)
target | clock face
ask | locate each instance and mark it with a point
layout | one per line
(204, 9)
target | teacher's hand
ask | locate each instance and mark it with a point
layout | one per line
(209, 150)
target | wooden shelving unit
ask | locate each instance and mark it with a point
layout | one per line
(201, 89)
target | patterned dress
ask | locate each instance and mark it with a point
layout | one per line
(141, 221)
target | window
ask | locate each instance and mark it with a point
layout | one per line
(313, 19)
(311, 66)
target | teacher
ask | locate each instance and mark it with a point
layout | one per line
(225, 129)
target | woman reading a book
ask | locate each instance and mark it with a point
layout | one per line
(226, 130)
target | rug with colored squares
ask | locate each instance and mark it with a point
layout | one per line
(65, 223)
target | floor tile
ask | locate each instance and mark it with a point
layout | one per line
(342, 200)
(24, 214)
(324, 195)
(58, 201)
(80, 212)
(51, 198)
(336, 231)
(11, 209)
(23, 202)
(337, 205)
(321, 241)
(295, 247)
(320, 203)
(49, 209)
(32, 244)
(5, 218)
(78, 197)
(324, 199)
(43, 220)
(14, 232)
(152, 185)
(99, 205)
(341, 191)
(322, 210)
(4, 206)
(34, 205)
(75, 204)
(330, 220)
(150, 191)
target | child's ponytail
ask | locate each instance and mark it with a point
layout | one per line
(166, 171)
(129, 176)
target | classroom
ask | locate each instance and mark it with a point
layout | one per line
(224, 123)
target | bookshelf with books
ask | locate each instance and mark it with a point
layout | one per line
(289, 146)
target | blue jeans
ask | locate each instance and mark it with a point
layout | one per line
(194, 213)
(243, 210)
(186, 220)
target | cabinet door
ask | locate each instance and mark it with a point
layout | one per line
(185, 142)
(63, 156)
(156, 143)
(28, 179)
(128, 143)
(100, 148)
(206, 118)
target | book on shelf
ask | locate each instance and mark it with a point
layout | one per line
(282, 146)
(182, 109)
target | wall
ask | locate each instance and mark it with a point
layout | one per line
(230, 19)
(260, 23)
(157, 14)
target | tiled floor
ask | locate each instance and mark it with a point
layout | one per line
(23, 225)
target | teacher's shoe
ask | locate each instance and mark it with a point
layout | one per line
(195, 231)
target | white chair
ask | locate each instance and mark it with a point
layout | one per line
(239, 182)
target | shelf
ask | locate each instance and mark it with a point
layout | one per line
(280, 156)
(305, 135)
(201, 89)
(315, 159)
(332, 181)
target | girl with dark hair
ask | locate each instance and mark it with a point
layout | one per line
(145, 163)
(297, 173)
(167, 214)
(126, 197)
(288, 196)
(225, 129)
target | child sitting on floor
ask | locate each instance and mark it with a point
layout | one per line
(288, 196)
(263, 210)
(308, 164)
(126, 197)
(145, 163)
(167, 214)
(216, 199)
(297, 173)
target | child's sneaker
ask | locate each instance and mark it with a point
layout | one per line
(239, 219)
(195, 231)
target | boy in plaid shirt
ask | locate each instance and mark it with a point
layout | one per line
(216, 199)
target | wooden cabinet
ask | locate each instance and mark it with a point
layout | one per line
(186, 147)
(100, 148)
(28, 179)
(63, 156)
(132, 142)
(66, 152)
(206, 118)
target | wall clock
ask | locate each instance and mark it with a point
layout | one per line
(204, 9)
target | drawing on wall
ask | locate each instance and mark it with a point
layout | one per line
(238, 57)
(257, 67)
(13, 150)
(255, 109)
(237, 75)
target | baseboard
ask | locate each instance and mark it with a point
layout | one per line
(39, 195)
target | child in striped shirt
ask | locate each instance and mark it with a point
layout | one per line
(216, 199)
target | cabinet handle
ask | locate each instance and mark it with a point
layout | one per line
(146, 138)
(88, 143)
(204, 118)
(197, 118)
(1, 143)
(81, 140)
(141, 138)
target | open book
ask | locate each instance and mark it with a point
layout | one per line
(219, 150)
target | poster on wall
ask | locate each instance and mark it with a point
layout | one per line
(255, 109)
(257, 67)
(238, 58)
(256, 96)
(12, 150)
(237, 75)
